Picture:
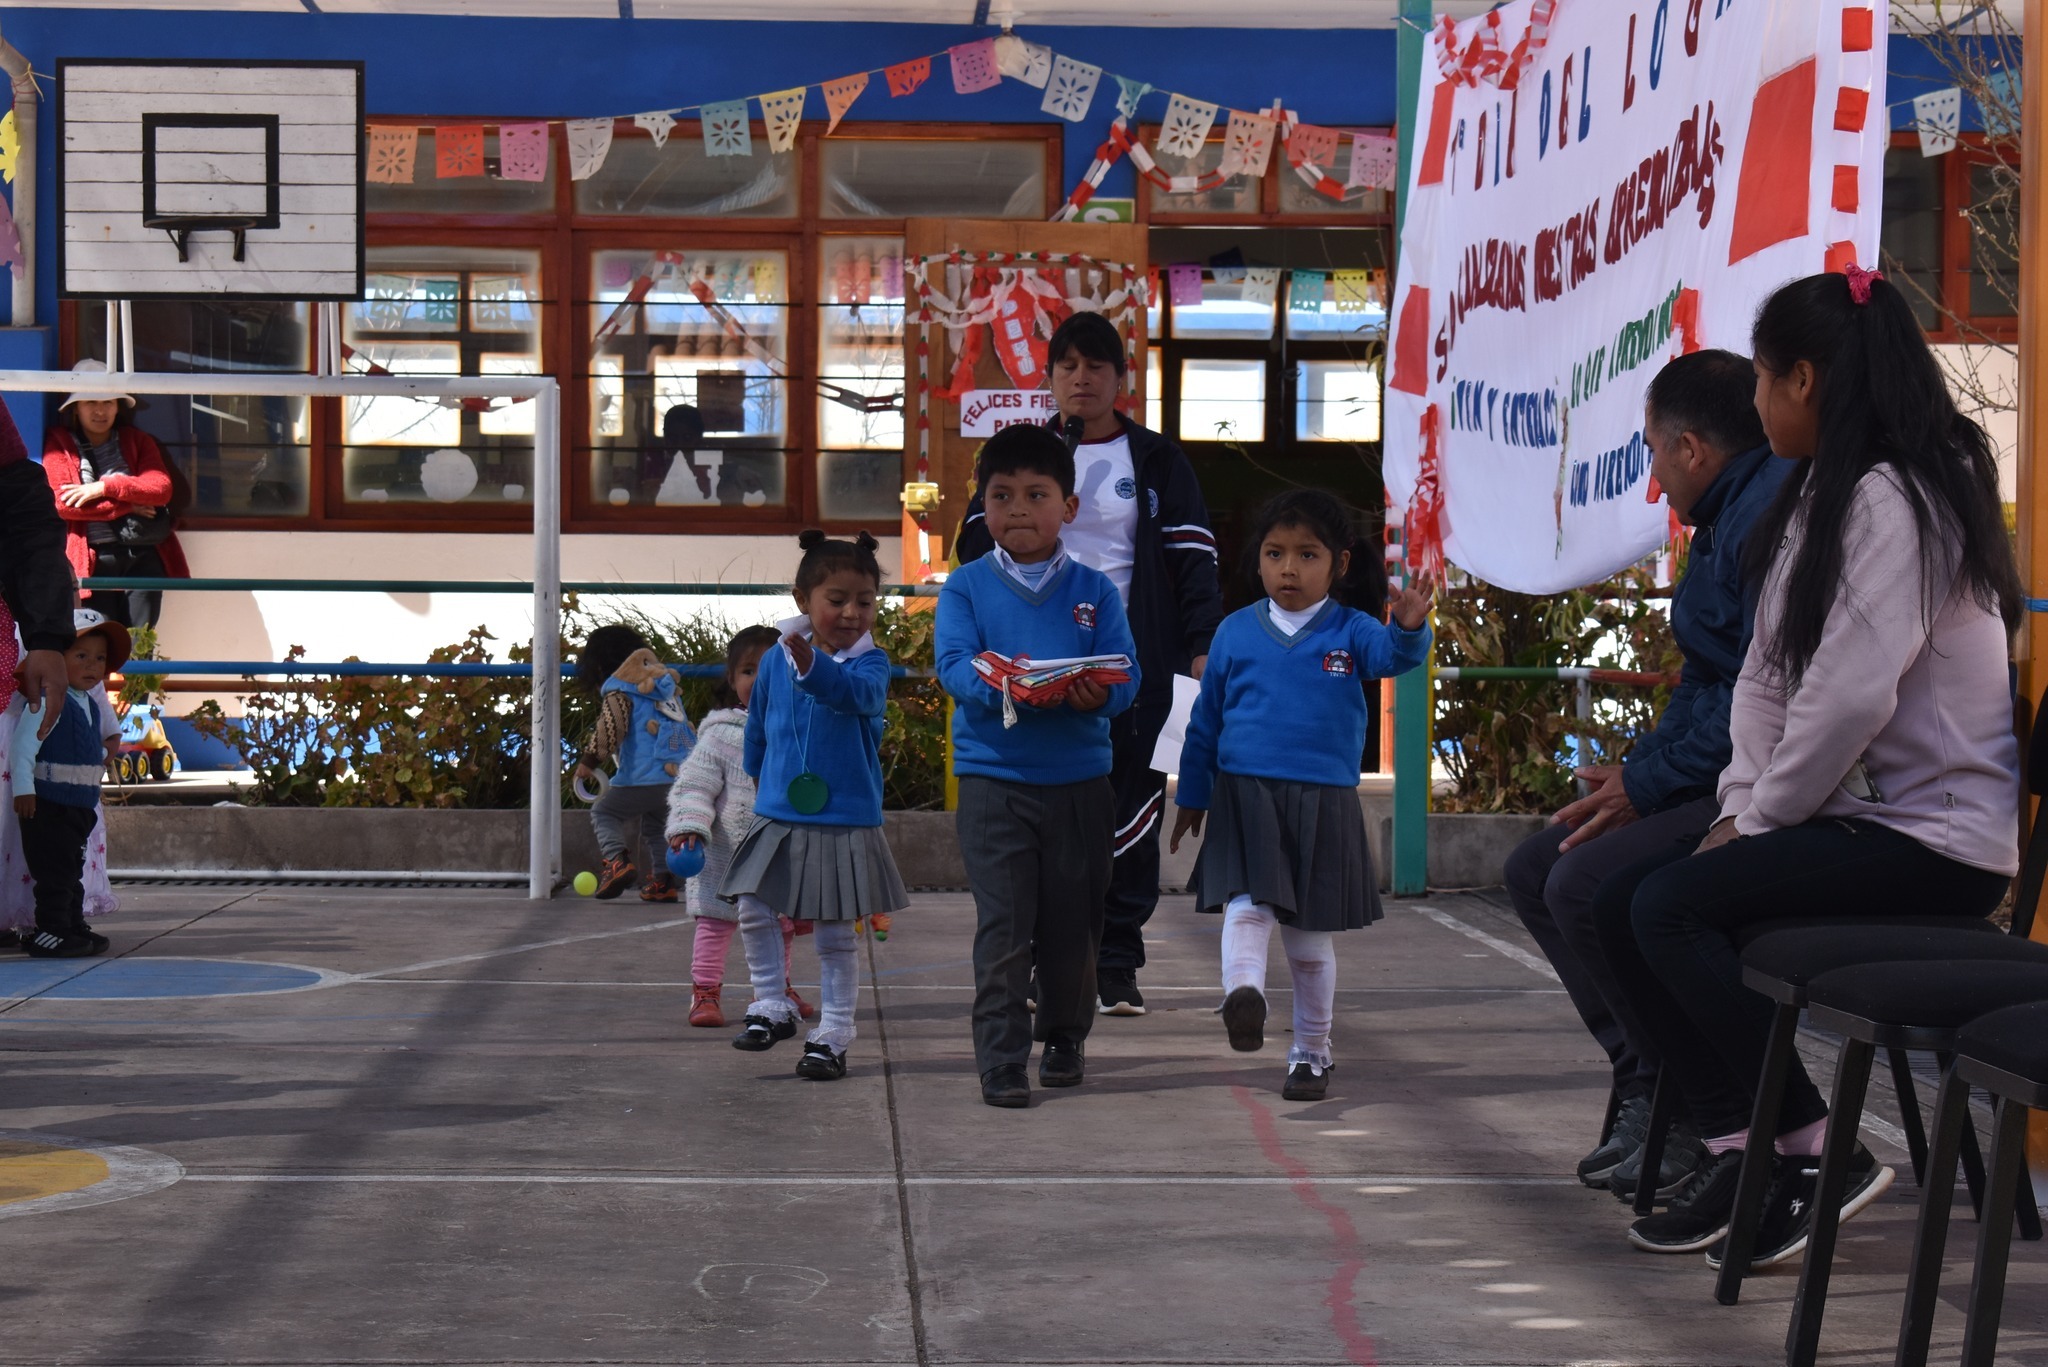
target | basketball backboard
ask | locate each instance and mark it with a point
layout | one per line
(183, 180)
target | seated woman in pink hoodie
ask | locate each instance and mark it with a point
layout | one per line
(1875, 770)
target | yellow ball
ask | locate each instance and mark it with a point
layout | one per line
(585, 884)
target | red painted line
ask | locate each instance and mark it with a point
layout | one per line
(1350, 1249)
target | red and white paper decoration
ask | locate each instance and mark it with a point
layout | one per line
(1247, 144)
(840, 95)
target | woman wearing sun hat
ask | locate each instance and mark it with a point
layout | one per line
(118, 496)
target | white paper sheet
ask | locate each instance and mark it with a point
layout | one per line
(1166, 754)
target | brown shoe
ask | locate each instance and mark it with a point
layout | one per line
(618, 875)
(705, 1011)
(660, 888)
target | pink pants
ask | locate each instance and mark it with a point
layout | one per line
(714, 937)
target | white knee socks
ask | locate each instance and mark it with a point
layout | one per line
(1311, 962)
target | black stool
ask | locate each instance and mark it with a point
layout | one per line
(2005, 1053)
(1899, 1006)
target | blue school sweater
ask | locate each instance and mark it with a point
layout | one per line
(1075, 610)
(829, 721)
(1290, 707)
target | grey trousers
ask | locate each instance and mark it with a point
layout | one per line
(1038, 861)
(625, 807)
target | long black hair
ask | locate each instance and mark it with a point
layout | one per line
(1883, 401)
(825, 557)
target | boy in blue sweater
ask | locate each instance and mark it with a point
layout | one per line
(56, 781)
(1037, 813)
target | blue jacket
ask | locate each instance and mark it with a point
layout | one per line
(1290, 707)
(65, 766)
(829, 722)
(661, 738)
(1712, 612)
(1076, 611)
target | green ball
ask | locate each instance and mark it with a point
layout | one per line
(585, 884)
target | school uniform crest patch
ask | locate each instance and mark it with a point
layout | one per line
(1338, 662)
(1127, 487)
(1084, 615)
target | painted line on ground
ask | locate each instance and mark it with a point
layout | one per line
(521, 949)
(1534, 963)
(130, 1172)
(858, 1180)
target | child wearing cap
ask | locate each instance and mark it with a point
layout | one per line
(56, 783)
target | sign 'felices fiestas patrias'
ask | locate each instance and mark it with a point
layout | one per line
(1597, 186)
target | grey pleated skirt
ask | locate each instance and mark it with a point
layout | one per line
(1299, 847)
(816, 873)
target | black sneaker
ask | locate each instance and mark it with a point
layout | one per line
(1698, 1214)
(821, 1063)
(1007, 1085)
(762, 1032)
(1244, 1016)
(44, 944)
(1059, 1065)
(1117, 991)
(1306, 1082)
(1631, 1128)
(100, 943)
(1787, 1221)
(11, 939)
(1684, 1155)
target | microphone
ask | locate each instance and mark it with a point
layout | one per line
(1070, 432)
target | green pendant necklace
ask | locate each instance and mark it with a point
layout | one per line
(807, 792)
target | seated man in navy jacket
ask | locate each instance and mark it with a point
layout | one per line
(1710, 456)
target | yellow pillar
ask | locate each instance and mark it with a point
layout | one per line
(2031, 499)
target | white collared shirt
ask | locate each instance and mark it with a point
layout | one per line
(800, 625)
(1033, 576)
(1293, 622)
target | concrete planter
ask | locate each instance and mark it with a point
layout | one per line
(1464, 851)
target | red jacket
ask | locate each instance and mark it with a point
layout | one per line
(147, 484)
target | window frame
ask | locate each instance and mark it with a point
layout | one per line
(1269, 213)
(1971, 150)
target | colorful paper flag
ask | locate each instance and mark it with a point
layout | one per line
(1071, 89)
(392, 151)
(904, 77)
(442, 301)
(1128, 93)
(1227, 268)
(1373, 161)
(726, 130)
(458, 150)
(523, 151)
(1184, 285)
(1938, 116)
(1999, 106)
(657, 125)
(1354, 290)
(974, 67)
(783, 111)
(10, 146)
(590, 142)
(840, 95)
(1186, 126)
(10, 243)
(1305, 291)
(1309, 145)
(1030, 63)
(1247, 144)
(1261, 284)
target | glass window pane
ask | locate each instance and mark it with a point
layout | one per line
(1346, 312)
(681, 180)
(1912, 229)
(1994, 241)
(1155, 389)
(1297, 196)
(1336, 401)
(861, 486)
(860, 345)
(1238, 195)
(243, 456)
(1223, 315)
(1222, 400)
(484, 194)
(689, 400)
(443, 311)
(924, 178)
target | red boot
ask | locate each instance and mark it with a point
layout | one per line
(803, 1008)
(618, 875)
(704, 1009)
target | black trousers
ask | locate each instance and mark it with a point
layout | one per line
(1038, 863)
(1140, 801)
(129, 607)
(53, 847)
(1553, 893)
(1669, 928)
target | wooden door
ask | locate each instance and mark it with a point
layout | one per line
(940, 454)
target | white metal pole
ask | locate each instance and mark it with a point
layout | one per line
(127, 335)
(543, 844)
(113, 356)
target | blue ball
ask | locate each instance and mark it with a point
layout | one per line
(688, 861)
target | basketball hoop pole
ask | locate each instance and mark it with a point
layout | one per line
(544, 824)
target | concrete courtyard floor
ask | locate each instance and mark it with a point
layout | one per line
(300, 1126)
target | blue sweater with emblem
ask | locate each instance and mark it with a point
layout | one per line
(828, 723)
(65, 766)
(1074, 611)
(1290, 707)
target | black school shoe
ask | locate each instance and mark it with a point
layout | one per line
(821, 1063)
(1684, 1155)
(1007, 1085)
(1306, 1082)
(1787, 1221)
(1244, 1016)
(44, 944)
(1060, 1064)
(762, 1033)
(1698, 1214)
(1117, 994)
(1631, 1128)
